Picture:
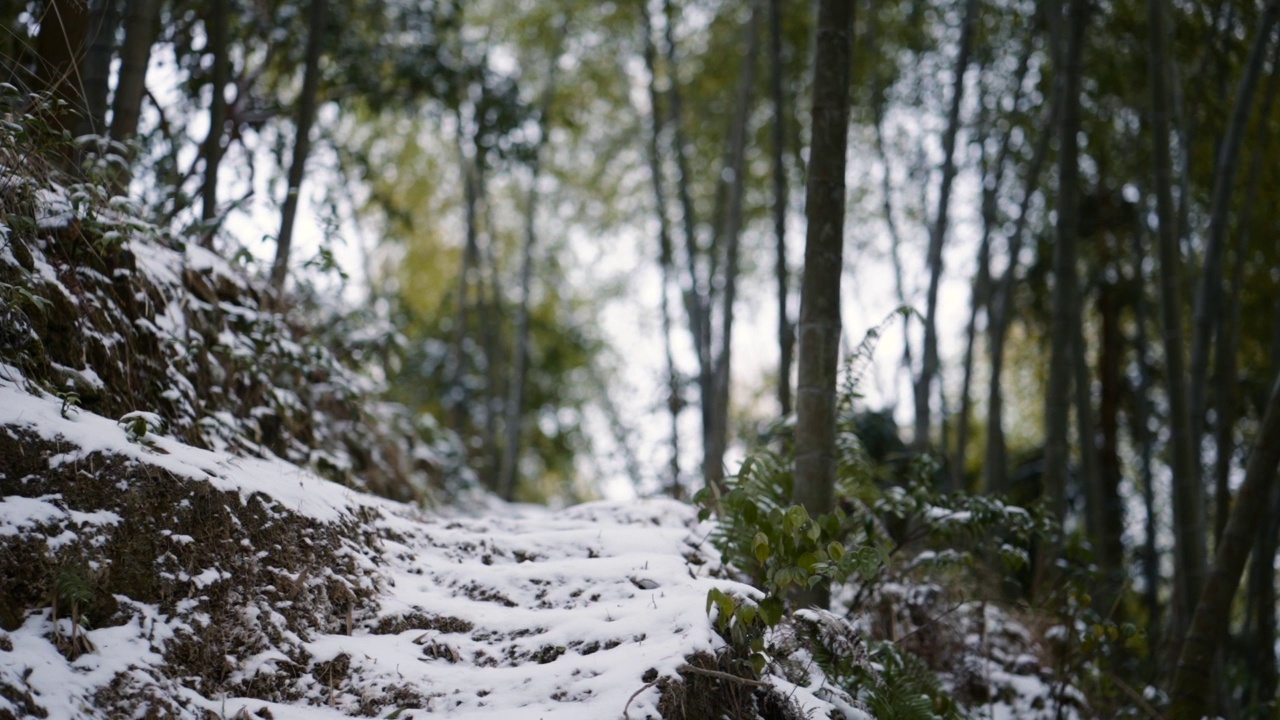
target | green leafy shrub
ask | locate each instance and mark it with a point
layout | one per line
(891, 528)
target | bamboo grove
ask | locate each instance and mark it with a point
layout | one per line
(1078, 200)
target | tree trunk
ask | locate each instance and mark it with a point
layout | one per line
(1192, 679)
(785, 334)
(1208, 302)
(306, 115)
(1188, 496)
(698, 301)
(895, 239)
(714, 463)
(819, 327)
(978, 298)
(666, 258)
(135, 54)
(60, 50)
(993, 180)
(996, 462)
(457, 368)
(515, 398)
(1225, 352)
(492, 314)
(104, 16)
(1087, 441)
(1109, 515)
(929, 359)
(1260, 686)
(1064, 309)
(218, 24)
(1143, 439)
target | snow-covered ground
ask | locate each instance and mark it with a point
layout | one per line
(523, 613)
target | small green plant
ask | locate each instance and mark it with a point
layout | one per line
(139, 423)
(73, 590)
(70, 402)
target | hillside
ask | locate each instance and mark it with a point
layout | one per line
(187, 531)
(207, 585)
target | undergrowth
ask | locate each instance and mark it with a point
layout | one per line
(109, 308)
(923, 623)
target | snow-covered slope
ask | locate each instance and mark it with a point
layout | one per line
(169, 549)
(216, 584)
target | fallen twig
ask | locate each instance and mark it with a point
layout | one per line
(626, 715)
(722, 676)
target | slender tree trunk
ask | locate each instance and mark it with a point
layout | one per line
(666, 258)
(60, 50)
(1144, 441)
(1086, 435)
(718, 441)
(515, 398)
(492, 311)
(218, 25)
(457, 368)
(1064, 311)
(929, 360)
(140, 22)
(139, 32)
(996, 463)
(895, 239)
(819, 328)
(1208, 302)
(978, 298)
(698, 303)
(1188, 496)
(104, 16)
(1190, 690)
(1109, 516)
(1261, 684)
(993, 180)
(785, 334)
(305, 117)
(1225, 351)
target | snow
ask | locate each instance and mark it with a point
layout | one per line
(483, 610)
(537, 613)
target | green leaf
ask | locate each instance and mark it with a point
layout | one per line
(40, 303)
(796, 517)
(713, 596)
(771, 610)
(725, 605)
(796, 575)
(835, 550)
(830, 525)
(807, 561)
(775, 517)
(760, 547)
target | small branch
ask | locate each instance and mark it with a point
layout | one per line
(722, 676)
(625, 714)
(932, 621)
(1135, 696)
